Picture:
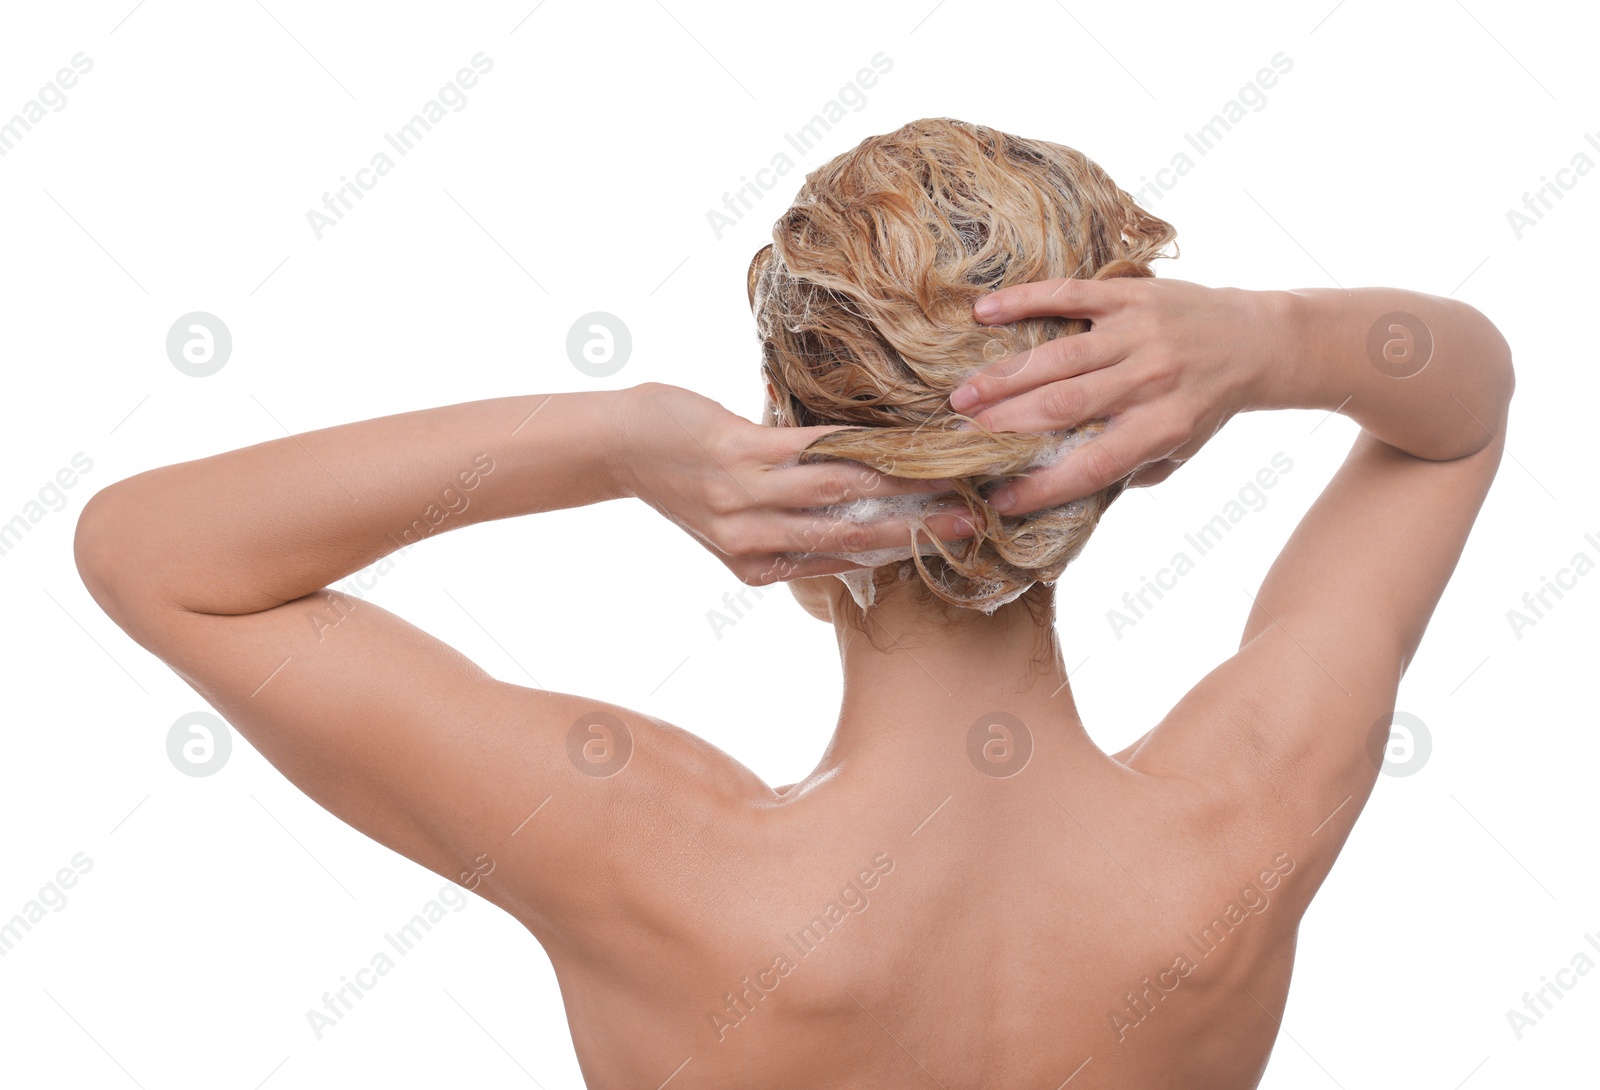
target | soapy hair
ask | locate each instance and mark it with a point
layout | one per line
(863, 303)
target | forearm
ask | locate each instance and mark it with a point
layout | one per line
(252, 528)
(1333, 349)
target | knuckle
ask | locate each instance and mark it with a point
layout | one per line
(830, 491)
(1157, 319)
(854, 538)
(723, 446)
(735, 539)
(1061, 403)
(1176, 432)
(1064, 353)
(722, 498)
(1163, 375)
(1130, 289)
(1101, 465)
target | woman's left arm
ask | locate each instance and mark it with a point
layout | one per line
(220, 568)
(251, 529)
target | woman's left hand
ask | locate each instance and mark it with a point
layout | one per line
(738, 489)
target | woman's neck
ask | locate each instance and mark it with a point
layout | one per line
(942, 693)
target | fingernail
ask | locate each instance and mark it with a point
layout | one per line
(986, 307)
(1003, 500)
(963, 398)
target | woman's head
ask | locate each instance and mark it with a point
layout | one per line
(863, 302)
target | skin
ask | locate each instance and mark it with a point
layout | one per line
(1101, 919)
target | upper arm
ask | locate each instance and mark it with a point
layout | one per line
(514, 792)
(1336, 621)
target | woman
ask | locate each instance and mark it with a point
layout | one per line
(967, 891)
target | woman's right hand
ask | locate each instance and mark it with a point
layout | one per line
(738, 489)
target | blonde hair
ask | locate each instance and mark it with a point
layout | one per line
(863, 303)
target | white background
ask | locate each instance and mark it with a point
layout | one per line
(578, 178)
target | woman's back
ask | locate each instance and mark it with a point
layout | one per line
(1055, 915)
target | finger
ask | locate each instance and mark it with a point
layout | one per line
(780, 568)
(784, 445)
(783, 566)
(1064, 357)
(1123, 448)
(1070, 298)
(819, 534)
(828, 484)
(1064, 404)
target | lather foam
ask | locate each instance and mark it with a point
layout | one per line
(917, 507)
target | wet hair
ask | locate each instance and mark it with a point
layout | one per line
(863, 304)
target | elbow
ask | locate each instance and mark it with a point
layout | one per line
(105, 549)
(1510, 383)
(90, 538)
(1485, 386)
(1505, 373)
(1501, 375)
(93, 546)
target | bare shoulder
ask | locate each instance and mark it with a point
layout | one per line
(621, 800)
